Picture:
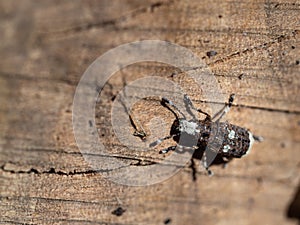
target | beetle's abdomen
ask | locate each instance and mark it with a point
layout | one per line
(237, 141)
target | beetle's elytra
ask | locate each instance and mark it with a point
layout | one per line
(234, 141)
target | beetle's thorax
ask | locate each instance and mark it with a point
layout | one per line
(189, 127)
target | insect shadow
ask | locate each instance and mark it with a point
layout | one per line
(293, 210)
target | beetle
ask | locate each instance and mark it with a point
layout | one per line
(227, 141)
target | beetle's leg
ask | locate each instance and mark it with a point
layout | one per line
(225, 161)
(138, 128)
(204, 164)
(165, 102)
(225, 109)
(160, 140)
(189, 103)
(179, 148)
(166, 150)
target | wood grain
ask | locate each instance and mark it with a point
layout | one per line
(45, 48)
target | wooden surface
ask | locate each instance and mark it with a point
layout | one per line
(47, 45)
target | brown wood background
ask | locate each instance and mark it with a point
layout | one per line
(47, 45)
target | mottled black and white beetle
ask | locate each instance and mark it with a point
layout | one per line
(234, 141)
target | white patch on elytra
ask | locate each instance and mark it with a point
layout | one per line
(231, 134)
(226, 148)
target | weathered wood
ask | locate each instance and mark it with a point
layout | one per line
(45, 48)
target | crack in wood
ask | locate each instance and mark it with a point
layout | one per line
(65, 220)
(209, 102)
(16, 222)
(286, 111)
(27, 77)
(112, 22)
(140, 162)
(27, 198)
(263, 46)
(50, 171)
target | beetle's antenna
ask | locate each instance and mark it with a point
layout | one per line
(188, 102)
(165, 101)
(225, 109)
(189, 105)
(160, 140)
